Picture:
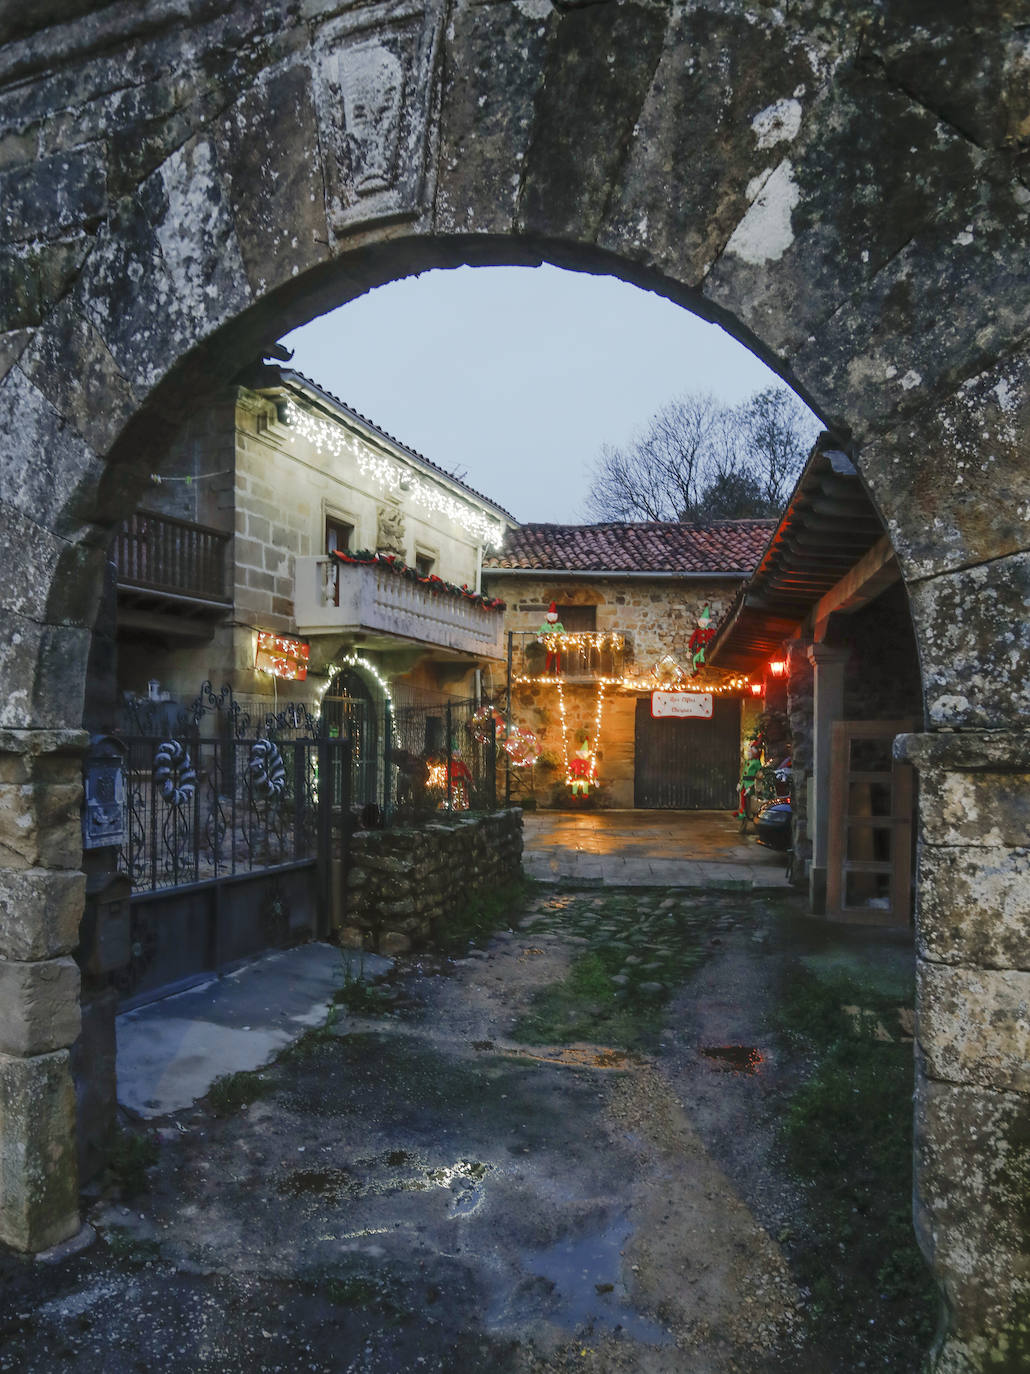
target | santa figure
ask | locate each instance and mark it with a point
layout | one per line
(581, 769)
(551, 626)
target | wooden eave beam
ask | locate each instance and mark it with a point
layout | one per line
(870, 576)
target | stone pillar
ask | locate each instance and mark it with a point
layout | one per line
(972, 1137)
(41, 900)
(827, 706)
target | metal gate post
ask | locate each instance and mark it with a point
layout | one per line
(450, 759)
(491, 764)
(324, 832)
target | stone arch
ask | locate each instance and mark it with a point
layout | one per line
(814, 183)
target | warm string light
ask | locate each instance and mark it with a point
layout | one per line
(592, 751)
(740, 686)
(582, 639)
(390, 474)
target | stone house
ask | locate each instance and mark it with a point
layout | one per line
(235, 568)
(826, 604)
(629, 597)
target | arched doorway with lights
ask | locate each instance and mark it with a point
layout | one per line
(832, 211)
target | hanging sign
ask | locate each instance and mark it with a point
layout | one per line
(681, 705)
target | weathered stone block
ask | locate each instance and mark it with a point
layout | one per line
(972, 1175)
(974, 641)
(973, 1025)
(40, 912)
(990, 809)
(39, 1006)
(40, 827)
(39, 1184)
(973, 906)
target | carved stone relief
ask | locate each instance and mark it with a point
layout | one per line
(390, 530)
(375, 84)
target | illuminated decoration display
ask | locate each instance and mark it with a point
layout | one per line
(667, 672)
(576, 776)
(282, 657)
(518, 743)
(389, 474)
(682, 705)
(357, 661)
(461, 783)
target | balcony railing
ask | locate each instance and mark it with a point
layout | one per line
(581, 655)
(173, 558)
(330, 596)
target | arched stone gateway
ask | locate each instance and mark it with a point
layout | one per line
(844, 187)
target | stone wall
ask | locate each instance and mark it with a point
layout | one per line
(401, 884)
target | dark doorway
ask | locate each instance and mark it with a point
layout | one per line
(688, 765)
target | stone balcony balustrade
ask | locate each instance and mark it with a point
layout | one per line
(330, 597)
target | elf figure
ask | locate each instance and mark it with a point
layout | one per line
(749, 775)
(551, 626)
(579, 771)
(701, 637)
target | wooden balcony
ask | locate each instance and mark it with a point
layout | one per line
(580, 656)
(171, 570)
(330, 597)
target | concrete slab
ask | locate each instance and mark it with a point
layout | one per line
(170, 1052)
(647, 849)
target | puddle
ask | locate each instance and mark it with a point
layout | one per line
(734, 1058)
(577, 1284)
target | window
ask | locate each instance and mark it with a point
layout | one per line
(338, 534)
(577, 618)
(424, 563)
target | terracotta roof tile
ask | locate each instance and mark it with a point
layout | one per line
(723, 546)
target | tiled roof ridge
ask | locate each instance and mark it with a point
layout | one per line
(398, 443)
(669, 547)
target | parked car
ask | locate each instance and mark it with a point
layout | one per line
(773, 824)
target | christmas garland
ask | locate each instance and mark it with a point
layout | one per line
(433, 583)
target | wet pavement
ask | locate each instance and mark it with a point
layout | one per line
(697, 849)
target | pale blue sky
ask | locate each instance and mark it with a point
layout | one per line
(513, 377)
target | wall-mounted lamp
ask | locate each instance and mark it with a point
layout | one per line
(777, 667)
(756, 689)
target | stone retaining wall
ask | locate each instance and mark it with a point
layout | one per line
(401, 883)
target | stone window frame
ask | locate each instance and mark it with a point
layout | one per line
(330, 511)
(425, 552)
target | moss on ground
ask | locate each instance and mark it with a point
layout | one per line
(847, 1132)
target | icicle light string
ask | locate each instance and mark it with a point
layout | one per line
(388, 473)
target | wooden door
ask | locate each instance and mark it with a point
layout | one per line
(869, 852)
(689, 765)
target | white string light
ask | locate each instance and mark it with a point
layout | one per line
(388, 473)
(356, 661)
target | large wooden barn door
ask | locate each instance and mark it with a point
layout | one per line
(688, 765)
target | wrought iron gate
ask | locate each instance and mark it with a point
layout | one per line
(236, 830)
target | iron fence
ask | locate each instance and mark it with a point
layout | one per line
(212, 794)
(443, 759)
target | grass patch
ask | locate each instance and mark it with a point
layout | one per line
(587, 1005)
(361, 998)
(474, 921)
(847, 1133)
(129, 1158)
(234, 1091)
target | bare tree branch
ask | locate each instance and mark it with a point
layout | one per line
(698, 460)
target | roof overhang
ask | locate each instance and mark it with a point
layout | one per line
(829, 554)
